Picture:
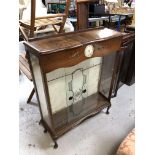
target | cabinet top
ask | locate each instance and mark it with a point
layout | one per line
(48, 45)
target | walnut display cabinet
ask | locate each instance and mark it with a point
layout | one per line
(72, 80)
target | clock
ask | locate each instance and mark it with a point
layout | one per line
(89, 50)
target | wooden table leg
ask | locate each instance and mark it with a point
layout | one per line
(31, 95)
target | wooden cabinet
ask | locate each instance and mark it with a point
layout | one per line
(70, 77)
(126, 67)
(129, 60)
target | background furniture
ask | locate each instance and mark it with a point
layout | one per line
(28, 28)
(129, 61)
(92, 9)
(63, 69)
(126, 12)
(24, 68)
(83, 13)
(126, 67)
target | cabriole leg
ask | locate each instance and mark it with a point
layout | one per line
(107, 112)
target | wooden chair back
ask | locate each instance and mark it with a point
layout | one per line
(28, 28)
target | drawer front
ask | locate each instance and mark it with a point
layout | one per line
(71, 57)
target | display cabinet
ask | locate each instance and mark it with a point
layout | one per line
(71, 78)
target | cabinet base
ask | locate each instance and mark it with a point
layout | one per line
(71, 125)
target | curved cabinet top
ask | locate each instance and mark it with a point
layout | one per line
(66, 41)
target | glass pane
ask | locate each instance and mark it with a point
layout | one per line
(106, 73)
(74, 91)
(40, 87)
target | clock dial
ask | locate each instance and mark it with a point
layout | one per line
(89, 50)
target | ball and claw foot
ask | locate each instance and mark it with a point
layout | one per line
(55, 145)
(45, 131)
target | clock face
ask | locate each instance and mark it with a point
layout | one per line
(89, 50)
